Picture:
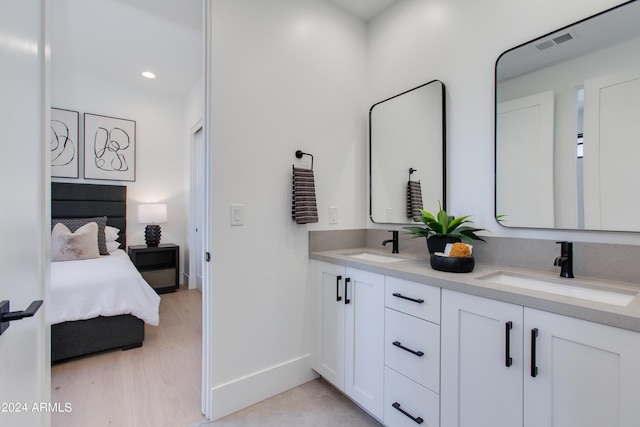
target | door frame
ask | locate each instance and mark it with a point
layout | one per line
(194, 241)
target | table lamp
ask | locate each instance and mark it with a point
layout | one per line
(152, 214)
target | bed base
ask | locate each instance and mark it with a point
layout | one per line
(82, 337)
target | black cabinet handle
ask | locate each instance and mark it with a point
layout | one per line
(399, 295)
(417, 420)
(399, 345)
(338, 297)
(346, 283)
(534, 368)
(508, 361)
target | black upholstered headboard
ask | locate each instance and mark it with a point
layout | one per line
(70, 200)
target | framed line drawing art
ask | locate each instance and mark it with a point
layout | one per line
(109, 148)
(64, 143)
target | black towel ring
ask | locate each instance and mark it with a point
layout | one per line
(299, 155)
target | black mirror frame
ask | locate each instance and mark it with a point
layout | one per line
(444, 148)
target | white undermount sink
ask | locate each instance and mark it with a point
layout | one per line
(368, 256)
(566, 287)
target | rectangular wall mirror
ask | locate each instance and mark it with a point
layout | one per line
(566, 148)
(407, 143)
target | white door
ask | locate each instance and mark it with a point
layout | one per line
(24, 346)
(328, 318)
(364, 339)
(524, 149)
(587, 374)
(207, 345)
(481, 376)
(198, 184)
(611, 149)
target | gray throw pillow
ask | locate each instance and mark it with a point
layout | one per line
(74, 223)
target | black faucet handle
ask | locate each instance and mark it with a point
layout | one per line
(393, 240)
(565, 260)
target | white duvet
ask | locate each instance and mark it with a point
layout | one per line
(105, 286)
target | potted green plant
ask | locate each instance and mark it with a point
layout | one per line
(444, 228)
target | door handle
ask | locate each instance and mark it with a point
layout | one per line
(7, 316)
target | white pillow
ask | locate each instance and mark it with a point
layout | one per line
(111, 234)
(68, 246)
(112, 246)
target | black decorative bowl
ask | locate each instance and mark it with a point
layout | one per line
(450, 264)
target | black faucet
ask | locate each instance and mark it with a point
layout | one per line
(394, 240)
(565, 260)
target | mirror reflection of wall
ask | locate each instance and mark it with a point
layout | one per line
(568, 161)
(407, 132)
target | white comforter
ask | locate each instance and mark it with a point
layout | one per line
(105, 286)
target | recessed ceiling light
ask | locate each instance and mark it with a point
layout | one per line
(149, 75)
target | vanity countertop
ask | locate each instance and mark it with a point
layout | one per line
(416, 268)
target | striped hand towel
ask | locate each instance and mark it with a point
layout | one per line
(304, 209)
(414, 200)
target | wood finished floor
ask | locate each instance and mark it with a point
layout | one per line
(158, 385)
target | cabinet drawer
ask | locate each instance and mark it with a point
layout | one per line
(404, 337)
(160, 278)
(402, 394)
(156, 259)
(413, 298)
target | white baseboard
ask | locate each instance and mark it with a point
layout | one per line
(238, 394)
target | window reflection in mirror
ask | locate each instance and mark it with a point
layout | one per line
(566, 106)
(407, 132)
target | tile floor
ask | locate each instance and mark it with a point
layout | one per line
(314, 404)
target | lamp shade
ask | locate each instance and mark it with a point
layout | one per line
(152, 213)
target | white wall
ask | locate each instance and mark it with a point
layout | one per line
(287, 75)
(160, 142)
(458, 42)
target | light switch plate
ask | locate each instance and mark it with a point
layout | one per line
(333, 215)
(237, 214)
(389, 214)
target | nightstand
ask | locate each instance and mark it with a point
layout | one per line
(159, 265)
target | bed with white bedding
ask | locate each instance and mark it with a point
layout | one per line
(105, 286)
(100, 303)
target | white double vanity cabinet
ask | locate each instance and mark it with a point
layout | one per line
(414, 354)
